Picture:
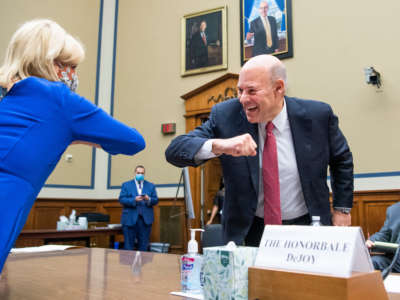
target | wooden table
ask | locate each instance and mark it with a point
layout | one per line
(92, 274)
(49, 236)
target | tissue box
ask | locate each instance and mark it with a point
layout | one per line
(225, 272)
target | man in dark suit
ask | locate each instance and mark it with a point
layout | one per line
(389, 233)
(199, 47)
(307, 141)
(264, 31)
(138, 197)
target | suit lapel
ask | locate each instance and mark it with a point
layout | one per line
(253, 161)
(301, 128)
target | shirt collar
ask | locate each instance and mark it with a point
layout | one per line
(280, 120)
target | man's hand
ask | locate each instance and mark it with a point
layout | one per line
(341, 219)
(369, 244)
(139, 198)
(242, 145)
(249, 35)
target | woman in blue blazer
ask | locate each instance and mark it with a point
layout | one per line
(40, 115)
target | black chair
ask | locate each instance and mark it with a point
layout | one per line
(212, 236)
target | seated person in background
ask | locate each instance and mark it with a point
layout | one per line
(41, 115)
(389, 233)
(218, 203)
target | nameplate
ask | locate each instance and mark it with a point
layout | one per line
(337, 251)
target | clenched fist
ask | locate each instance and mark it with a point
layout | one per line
(242, 145)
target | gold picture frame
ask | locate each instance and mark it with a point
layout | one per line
(204, 42)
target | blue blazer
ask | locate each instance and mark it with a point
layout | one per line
(38, 120)
(132, 208)
(318, 143)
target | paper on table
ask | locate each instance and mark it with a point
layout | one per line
(392, 283)
(43, 248)
(188, 295)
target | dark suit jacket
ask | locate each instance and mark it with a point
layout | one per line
(260, 40)
(198, 51)
(390, 232)
(131, 208)
(318, 143)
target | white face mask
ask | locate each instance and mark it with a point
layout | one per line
(68, 75)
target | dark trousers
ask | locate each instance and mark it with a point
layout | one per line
(140, 232)
(256, 230)
(381, 262)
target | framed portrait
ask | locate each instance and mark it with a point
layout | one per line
(266, 28)
(204, 42)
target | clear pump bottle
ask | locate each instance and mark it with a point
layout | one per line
(191, 266)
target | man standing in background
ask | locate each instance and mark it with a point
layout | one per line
(137, 197)
(264, 31)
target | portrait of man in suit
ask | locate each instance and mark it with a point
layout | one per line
(266, 28)
(203, 37)
(199, 46)
(275, 152)
(264, 32)
(138, 196)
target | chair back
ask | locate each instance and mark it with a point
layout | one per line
(212, 236)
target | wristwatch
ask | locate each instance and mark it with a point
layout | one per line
(344, 210)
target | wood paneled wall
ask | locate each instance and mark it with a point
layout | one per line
(46, 212)
(369, 209)
(369, 212)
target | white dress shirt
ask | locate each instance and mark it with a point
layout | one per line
(291, 193)
(139, 186)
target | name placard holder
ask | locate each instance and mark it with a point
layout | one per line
(267, 284)
(314, 263)
(331, 250)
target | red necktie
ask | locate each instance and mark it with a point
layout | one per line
(270, 172)
(204, 39)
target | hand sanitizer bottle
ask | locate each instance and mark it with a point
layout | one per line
(191, 266)
(316, 221)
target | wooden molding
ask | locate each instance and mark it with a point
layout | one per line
(208, 85)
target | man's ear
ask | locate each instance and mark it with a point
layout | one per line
(280, 87)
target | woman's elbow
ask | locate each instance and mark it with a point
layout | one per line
(137, 144)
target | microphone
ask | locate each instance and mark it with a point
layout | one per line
(386, 247)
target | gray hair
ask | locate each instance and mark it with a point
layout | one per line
(278, 71)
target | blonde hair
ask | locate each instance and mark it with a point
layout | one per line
(35, 47)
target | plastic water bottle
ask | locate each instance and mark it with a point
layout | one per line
(316, 221)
